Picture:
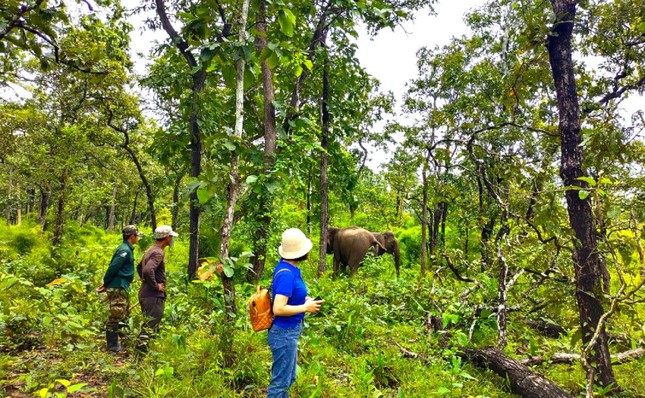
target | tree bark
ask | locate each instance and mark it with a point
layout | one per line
(45, 197)
(142, 175)
(590, 269)
(18, 206)
(31, 194)
(233, 189)
(549, 329)
(523, 381)
(318, 38)
(567, 358)
(324, 183)
(424, 217)
(111, 217)
(174, 213)
(59, 220)
(198, 79)
(9, 196)
(270, 144)
(133, 215)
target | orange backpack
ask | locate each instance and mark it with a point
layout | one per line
(261, 307)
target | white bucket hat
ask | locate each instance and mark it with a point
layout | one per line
(294, 244)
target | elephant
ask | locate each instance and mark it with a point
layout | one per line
(388, 244)
(349, 246)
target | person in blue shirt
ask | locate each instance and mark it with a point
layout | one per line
(290, 302)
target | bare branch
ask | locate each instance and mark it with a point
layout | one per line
(455, 270)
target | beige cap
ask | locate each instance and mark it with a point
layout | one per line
(163, 231)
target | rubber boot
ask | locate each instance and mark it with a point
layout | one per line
(112, 339)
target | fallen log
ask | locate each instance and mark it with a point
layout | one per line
(522, 379)
(549, 329)
(566, 358)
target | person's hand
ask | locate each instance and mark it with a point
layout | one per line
(312, 305)
(161, 287)
(100, 289)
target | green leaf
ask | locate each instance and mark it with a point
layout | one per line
(614, 212)
(206, 54)
(272, 186)
(588, 180)
(273, 61)
(641, 27)
(582, 194)
(64, 382)
(76, 387)
(287, 21)
(229, 145)
(202, 195)
(228, 73)
(251, 179)
(160, 372)
(229, 271)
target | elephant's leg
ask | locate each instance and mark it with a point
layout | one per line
(355, 260)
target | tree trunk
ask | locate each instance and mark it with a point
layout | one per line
(444, 216)
(9, 201)
(174, 213)
(523, 381)
(18, 206)
(31, 197)
(234, 184)
(318, 38)
(59, 220)
(111, 217)
(133, 215)
(45, 197)
(424, 217)
(308, 196)
(265, 207)
(324, 183)
(590, 269)
(198, 78)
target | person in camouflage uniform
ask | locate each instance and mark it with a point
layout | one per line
(116, 284)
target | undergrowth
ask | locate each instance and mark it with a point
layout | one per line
(52, 345)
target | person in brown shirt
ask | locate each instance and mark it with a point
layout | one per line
(152, 294)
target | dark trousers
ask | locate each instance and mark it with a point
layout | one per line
(152, 309)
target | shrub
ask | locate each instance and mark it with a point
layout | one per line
(23, 242)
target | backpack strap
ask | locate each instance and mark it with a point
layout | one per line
(273, 279)
(276, 274)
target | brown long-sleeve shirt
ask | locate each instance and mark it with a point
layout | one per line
(153, 272)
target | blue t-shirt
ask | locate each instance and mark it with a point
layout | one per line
(289, 283)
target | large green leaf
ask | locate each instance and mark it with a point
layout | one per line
(287, 21)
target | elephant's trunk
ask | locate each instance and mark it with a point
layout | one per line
(397, 258)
